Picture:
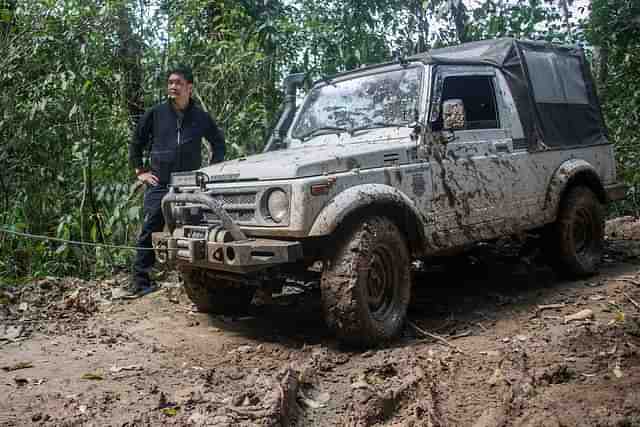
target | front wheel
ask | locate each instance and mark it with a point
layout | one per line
(577, 237)
(214, 295)
(366, 283)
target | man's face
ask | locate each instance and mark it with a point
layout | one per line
(179, 89)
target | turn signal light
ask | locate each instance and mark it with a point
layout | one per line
(320, 189)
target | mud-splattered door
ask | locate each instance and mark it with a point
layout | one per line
(471, 166)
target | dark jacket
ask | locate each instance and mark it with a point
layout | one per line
(173, 142)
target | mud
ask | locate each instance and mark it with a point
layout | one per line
(74, 356)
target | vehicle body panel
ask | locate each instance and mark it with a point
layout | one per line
(457, 187)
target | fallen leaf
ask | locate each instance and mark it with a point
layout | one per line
(11, 333)
(617, 371)
(243, 349)
(197, 418)
(6, 297)
(316, 400)
(310, 403)
(19, 365)
(170, 412)
(92, 376)
(581, 315)
(116, 369)
(497, 377)
(550, 306)
(360, 382)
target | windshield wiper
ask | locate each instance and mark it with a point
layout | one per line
(376, 125)
(324, 130)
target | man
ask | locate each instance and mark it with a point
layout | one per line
(172, 133)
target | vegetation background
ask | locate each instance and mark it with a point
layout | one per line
(76, 74)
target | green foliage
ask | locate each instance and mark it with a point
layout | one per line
(239, 51)
(76, 75)
(614, 28)
(532, 19)
(64, 131)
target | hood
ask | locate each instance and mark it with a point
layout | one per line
(323, 155)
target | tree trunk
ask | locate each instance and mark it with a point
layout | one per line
(459, 14)
(130, 56)
(422, 24)
(7, 10)
(564, 4)
(603, 68)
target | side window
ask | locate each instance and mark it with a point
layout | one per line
(479, 97)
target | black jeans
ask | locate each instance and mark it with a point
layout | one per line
(153, 222)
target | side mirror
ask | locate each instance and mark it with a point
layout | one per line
(453, 114)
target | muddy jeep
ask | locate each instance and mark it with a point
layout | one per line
(395, 162)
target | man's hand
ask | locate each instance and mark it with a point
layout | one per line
(148, 178)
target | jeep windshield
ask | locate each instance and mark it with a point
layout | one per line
(383, 99)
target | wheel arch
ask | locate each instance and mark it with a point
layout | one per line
(367, 199)
(570, 174)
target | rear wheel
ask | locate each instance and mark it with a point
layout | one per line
(577, 237)
(213, 295)
(366, 283)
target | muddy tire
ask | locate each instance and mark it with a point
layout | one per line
(577, 237)
(366, 283)
(216, 296)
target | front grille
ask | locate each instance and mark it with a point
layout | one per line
(242, 215)
(236, 199)
(241, 207)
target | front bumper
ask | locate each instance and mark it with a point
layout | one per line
(243, 256)
(217, 247)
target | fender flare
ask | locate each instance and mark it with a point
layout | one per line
(362, 197)
(573, 170)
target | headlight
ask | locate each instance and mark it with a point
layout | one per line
(278, 205)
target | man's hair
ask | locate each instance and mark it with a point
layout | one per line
(182, 69)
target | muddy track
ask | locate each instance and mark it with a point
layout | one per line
(71, 356)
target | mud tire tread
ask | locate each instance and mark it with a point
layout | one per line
(343, 289)
(214, 295)
(567, 261)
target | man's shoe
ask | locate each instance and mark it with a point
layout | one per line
(137, 290)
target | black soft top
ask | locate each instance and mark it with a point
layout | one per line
(551, 85)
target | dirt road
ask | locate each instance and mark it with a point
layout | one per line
(510, 354)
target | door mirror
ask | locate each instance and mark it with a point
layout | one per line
(453, 114)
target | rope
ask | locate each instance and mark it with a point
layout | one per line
(75, 242)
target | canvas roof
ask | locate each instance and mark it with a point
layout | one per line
(551, 85)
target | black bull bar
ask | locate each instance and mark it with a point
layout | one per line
(210, 247)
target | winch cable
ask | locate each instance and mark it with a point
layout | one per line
(77, 242)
